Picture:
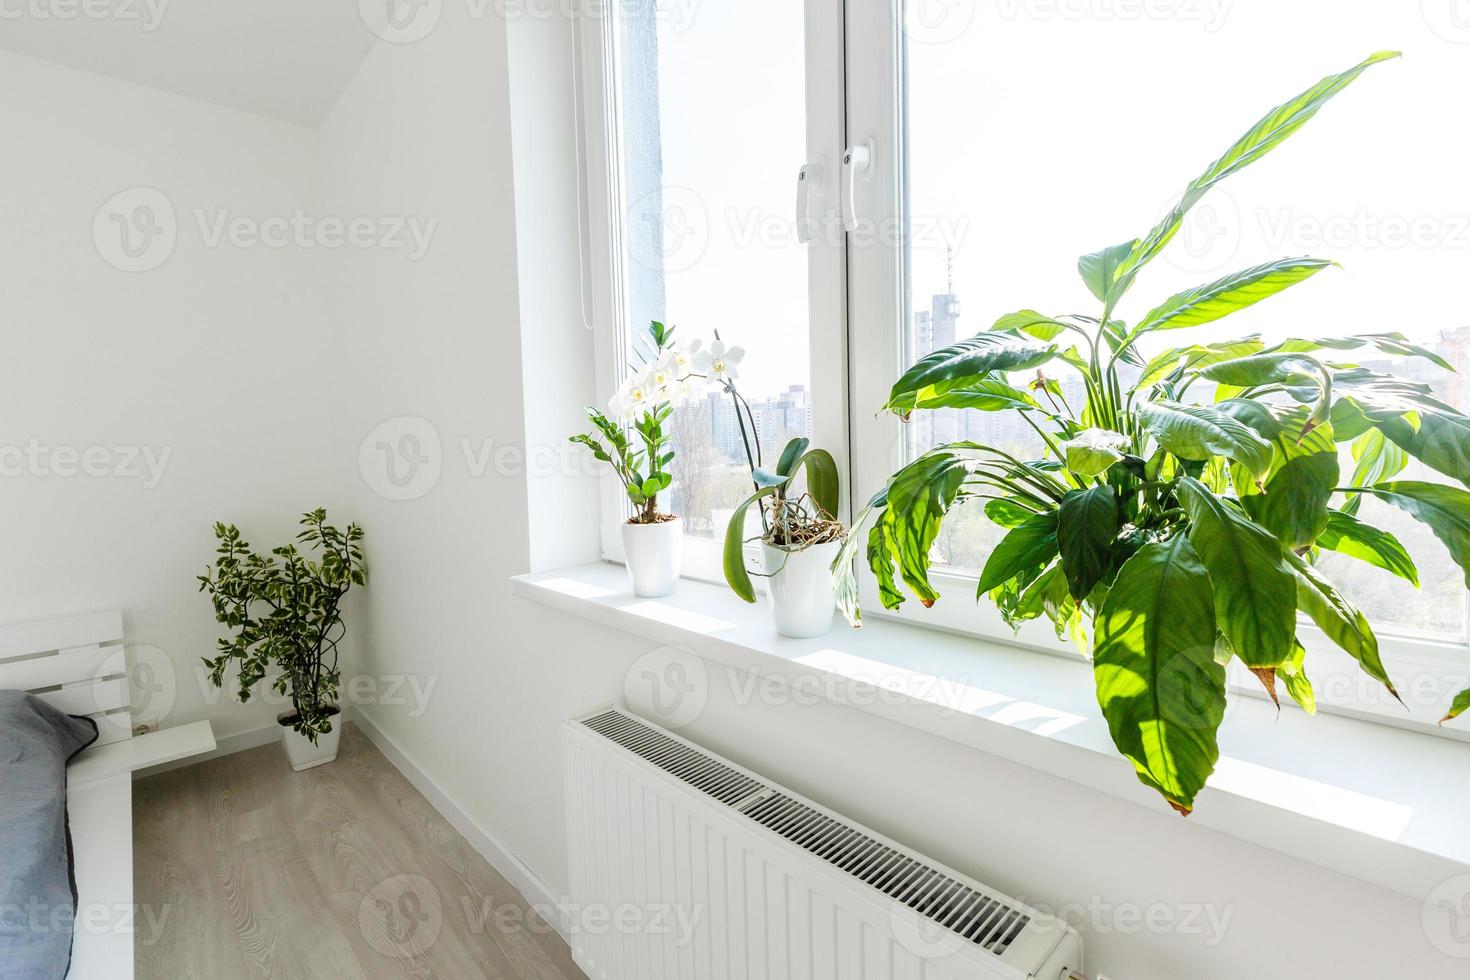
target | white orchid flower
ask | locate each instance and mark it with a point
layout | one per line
(682, 358)
(720, 362)
(633, 399)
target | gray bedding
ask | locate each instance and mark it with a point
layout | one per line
(38, 895)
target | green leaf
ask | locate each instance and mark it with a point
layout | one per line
(734, 556)
(1194, 357)
(1278, 124)
(1343, 622)
(1030, 322)
(1462, 702)
(765, 478)
(1092, 452)
(1099, 269)
(1305, 471)
(789, 456)
(1294, 673)
(1378, 459)
(986, 395)
(1158, 683)
(1087, 524)
(1349, 536)
(1204, 304)
(1029, 546)
(1445, 509)
(964, 364)
(822, 480)
(844, 579)
(1442, 438)
(882, 556)
(1389, 343)
(1278, 368)
(1199, 432)
(1008, 512)
(1254, 587)
(919, 497)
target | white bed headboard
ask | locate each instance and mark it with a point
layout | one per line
(77, 664)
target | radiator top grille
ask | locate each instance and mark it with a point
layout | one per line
(979, 918)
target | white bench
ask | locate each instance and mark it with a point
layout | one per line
(78, 665)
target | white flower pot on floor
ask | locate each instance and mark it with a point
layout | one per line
(655, 556)
(800, 587)
(300, 751)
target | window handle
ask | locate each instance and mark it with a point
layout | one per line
(856, 162)
(809, 181)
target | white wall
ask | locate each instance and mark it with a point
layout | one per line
(429, 125)
(476, 345)
(219, 357)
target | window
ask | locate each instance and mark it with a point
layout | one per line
(991, 145)
(703, 179)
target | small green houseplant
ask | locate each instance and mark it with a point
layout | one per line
(1183, 530)
(800, 533)
(284, 610)
(652, 540)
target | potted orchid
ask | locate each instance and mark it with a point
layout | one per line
(635, 441)
(800, 534)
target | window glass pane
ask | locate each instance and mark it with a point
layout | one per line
(1039, 132)
(709, 177)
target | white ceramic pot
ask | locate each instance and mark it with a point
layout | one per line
(300, 751)
(800, 586)
(655, 556)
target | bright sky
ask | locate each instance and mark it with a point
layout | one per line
(1042, 129)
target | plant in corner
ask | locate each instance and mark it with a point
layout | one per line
(1184, 530)
(652, 540)
(285, 612)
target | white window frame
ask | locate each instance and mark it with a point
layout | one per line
(599, 27)
(858, 294)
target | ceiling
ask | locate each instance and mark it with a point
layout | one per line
(285, 59)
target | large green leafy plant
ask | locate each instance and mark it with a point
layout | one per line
(284, 610)
(1184, 531)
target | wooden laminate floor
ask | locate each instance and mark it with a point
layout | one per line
(245, 869)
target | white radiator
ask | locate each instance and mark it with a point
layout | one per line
(685, 866)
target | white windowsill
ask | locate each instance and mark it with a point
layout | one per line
(1376, 803)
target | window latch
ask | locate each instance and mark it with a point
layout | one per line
(809, 181)
(856, 162)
